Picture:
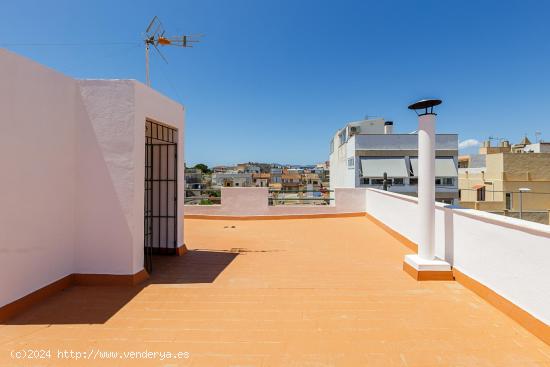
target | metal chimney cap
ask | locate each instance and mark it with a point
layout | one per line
(425, 104)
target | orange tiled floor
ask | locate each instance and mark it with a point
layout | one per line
(310, 292)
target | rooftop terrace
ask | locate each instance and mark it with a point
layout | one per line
(308, 292)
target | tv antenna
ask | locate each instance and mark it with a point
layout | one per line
(155, 36)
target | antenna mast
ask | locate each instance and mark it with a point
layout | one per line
(154, 36)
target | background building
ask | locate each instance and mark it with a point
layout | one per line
(231, 179)
(362, 151)
(193, 178)
(261, 179)
(492, 180)
(291, 180)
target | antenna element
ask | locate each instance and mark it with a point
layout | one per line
(154, 36)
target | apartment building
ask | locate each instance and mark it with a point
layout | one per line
(541, 147)
(261, 179)
(290, 180)
(231, 179)
(248, 168)
(362, 151)
(276, 175)
(492, 180)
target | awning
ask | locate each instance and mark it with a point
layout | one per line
(376, 166)
(475, 187)
(444, 167)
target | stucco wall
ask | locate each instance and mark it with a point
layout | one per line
(508, 255)
(253, 201)
(152, 105)
(114, 132)
(74, 151)
(38, 160)
(105, 209)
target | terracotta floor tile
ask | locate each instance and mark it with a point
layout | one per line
(309, 292)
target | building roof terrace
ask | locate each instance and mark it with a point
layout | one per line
(326, 291)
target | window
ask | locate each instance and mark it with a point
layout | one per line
(342, 136)
(365, 181)
(413, 181)
(351, 162)
(459, 194)
(508, 200)
(398, 181)
(444, 181)
(377, 181)
(481, 194)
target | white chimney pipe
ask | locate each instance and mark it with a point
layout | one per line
(388, 127)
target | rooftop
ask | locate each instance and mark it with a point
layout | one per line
(315, 292)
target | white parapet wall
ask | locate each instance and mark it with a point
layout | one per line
(37, 190)
(253, 201)
(507, 255)
(73, 153)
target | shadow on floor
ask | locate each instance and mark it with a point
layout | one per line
(77, 305)
(97, 304)
(196, 266)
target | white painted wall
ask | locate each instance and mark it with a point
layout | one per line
(253, 201)
(151, 104)
(114, 120)
(508, 255)
(106, 168)
(37, 189)
(360, 145)
(73, 153)
(341, 176)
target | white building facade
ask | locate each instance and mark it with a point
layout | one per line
(361, 152)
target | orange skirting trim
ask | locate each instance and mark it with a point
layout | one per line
(427, 274)
(272, 217)
(404, 240)
(180, 251)
(23, 303)
(110, 279)
(522, 317)
(16, 307)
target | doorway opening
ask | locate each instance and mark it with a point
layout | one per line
(161, 191)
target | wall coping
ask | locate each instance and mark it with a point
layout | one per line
(514, 223)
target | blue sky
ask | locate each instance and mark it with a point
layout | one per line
(273, 80)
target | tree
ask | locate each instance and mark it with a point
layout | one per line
(203, 167)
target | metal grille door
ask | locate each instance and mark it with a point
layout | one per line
(161, 188)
